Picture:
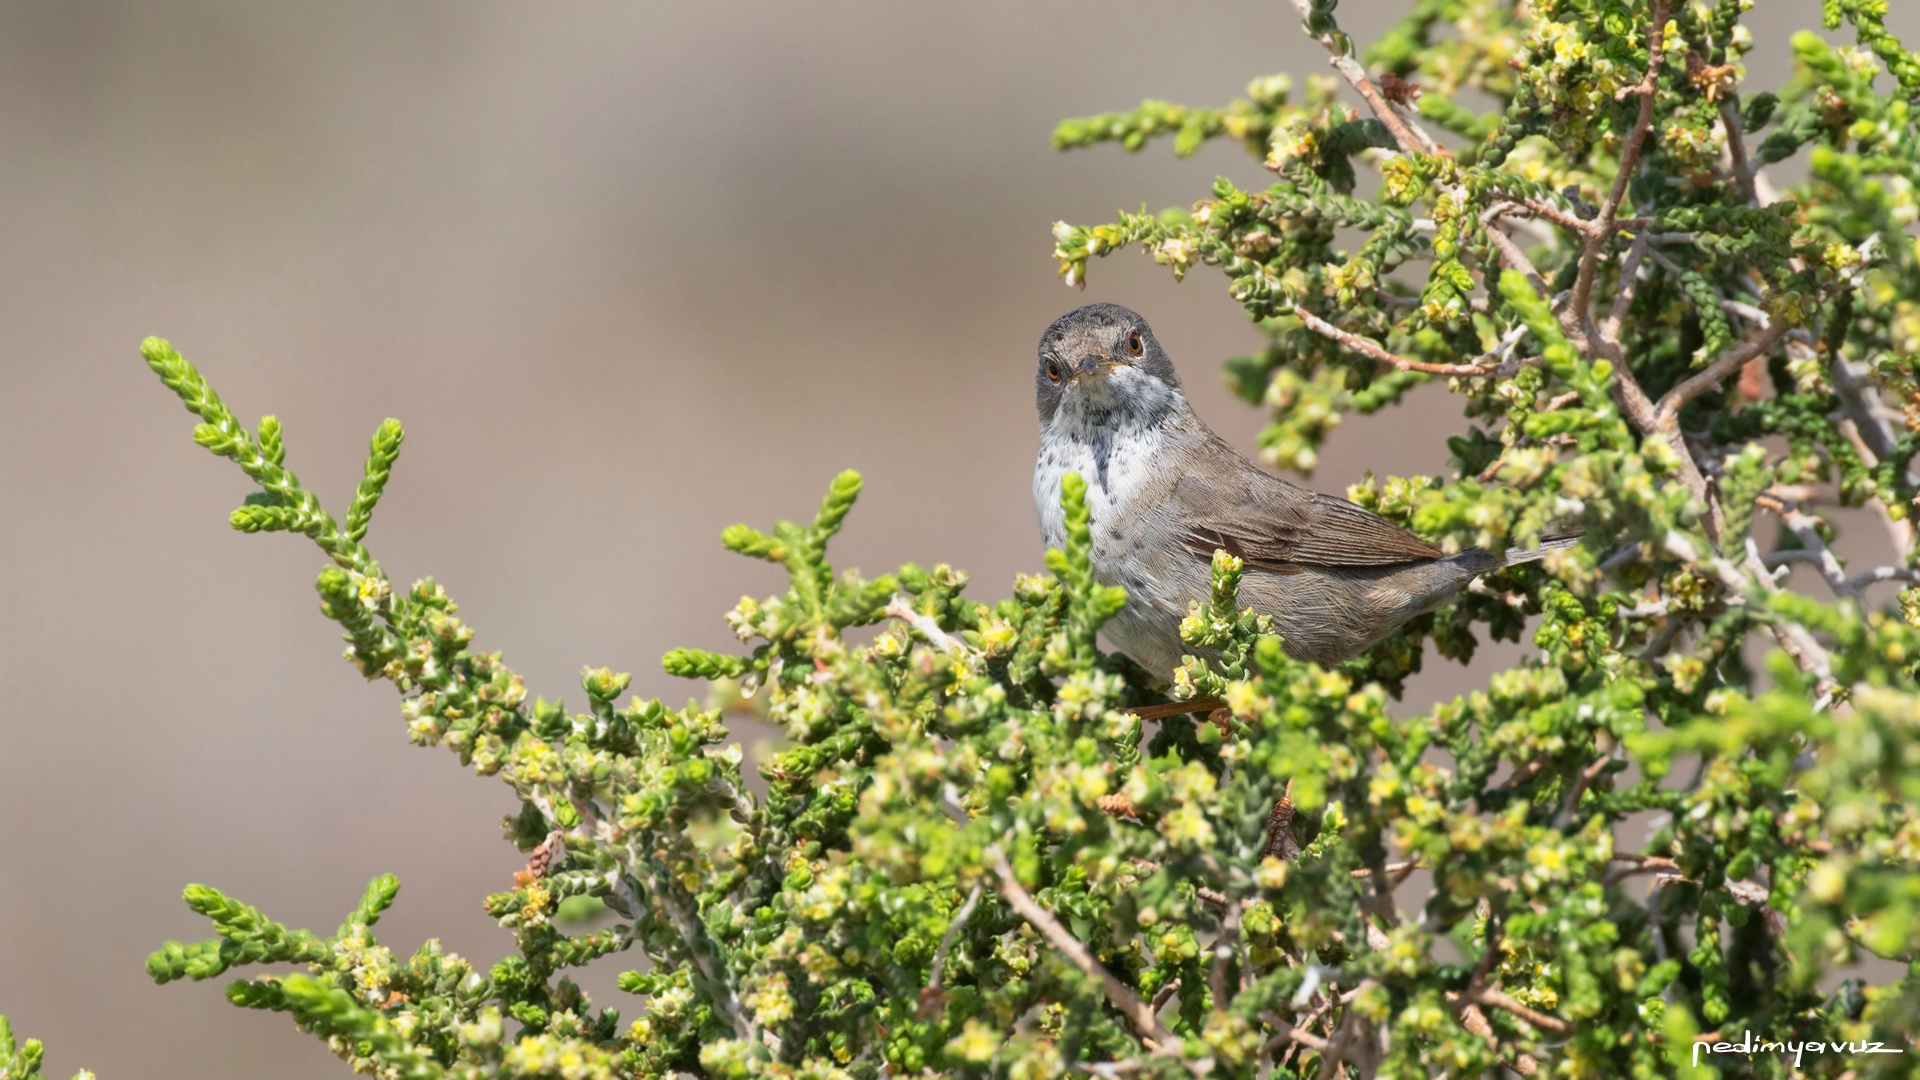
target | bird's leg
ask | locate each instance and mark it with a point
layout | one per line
(1280, 842)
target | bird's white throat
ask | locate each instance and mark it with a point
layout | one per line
(1111, 431)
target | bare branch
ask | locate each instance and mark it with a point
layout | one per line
(1756, 344)
(1879, 574)
(1355, 343)
(1488, 995)
(1122, 996)
(1737, 150)
(1289, 1033)
(1475, 1021)
(1176, 708)
(1391, 869)
(902, 608)
(1806, 528)
(1510, 254)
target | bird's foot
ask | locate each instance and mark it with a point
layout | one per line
(1280, 842)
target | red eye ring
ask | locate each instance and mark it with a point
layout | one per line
(1134, 345)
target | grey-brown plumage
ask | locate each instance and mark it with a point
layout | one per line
(1164, 492)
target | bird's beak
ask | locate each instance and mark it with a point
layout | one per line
(1096, 364)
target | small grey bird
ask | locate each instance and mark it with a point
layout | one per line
(1164, 492)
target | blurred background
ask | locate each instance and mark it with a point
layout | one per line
(628, 274)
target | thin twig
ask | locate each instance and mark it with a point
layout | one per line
(1587, 776)
(902, 608)
(1806, 529)
(1794, 638)
(1756, 344)
(1737, 150)
(1176, 708)
(1122, 996)
(1551, 213)
(1497, 998)
(932, 994)
(1475, 1021)
(1290, 1033)
(1629, 284)
(1391, 869)
(1356, 76)
(1602, 233)
(1510, 254)
(1365, 347)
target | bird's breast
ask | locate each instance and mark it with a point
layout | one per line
(1129, 475)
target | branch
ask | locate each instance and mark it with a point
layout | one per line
(1290, 1033)
(1795, 639)
(1806, 528)
(1122, 996)
(1629, 285)
(901, 608)
(1176, 708)
(1629, 161)
(1488, 995)
(1487, 364)
(930, 997)
(1873, 430)
(1475, 1021)
(1356, 76)
(1737, 151)
(1551, 213)
(1510, 254)
(1756, 344)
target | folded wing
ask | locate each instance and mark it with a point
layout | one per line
(1278, 526)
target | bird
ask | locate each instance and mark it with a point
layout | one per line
(1164, 493)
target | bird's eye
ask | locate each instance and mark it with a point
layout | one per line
(1053, 371)
(1134, 345)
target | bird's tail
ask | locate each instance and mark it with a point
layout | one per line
(1516, 556)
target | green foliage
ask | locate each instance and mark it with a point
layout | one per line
(976, 858)
(20, 1060)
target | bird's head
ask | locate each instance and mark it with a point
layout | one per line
(1102, 358)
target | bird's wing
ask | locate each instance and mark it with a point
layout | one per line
(1278, 526)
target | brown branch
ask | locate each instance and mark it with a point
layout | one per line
(1510, 254)
(1629, 160)
(1475, 1021)
(1643, 864)
(1587, 776)
(1756, 344)
(1356, 76)
(1122, 996)
(1176, 708)
(1737, 151)
(1290, 1033)
(1629, 285)
(1488, 995)
(931, 997)
(1391, 869)
(1364, 347)
(1554, 214)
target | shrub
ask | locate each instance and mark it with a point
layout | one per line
(973, 858)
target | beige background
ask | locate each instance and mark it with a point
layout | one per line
(628, 273)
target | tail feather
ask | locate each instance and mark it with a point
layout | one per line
(1516, 556)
